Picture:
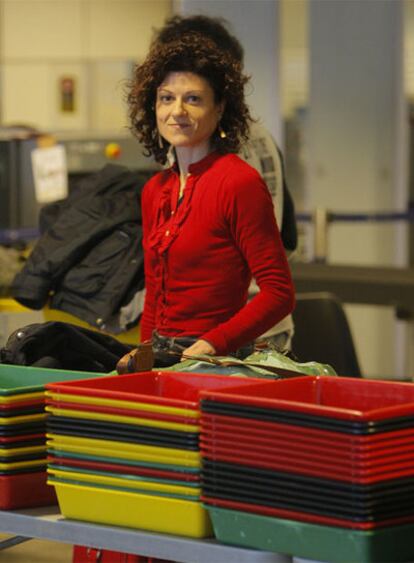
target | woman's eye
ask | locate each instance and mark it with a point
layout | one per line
(165, 98)
(193, 99)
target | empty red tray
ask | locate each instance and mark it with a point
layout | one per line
(335, 397)
(249, 426)
(322, 469)
(289, 460)
(242, 435)
(275, 444)
(169, 389)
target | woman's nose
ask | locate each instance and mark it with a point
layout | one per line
(179, 108)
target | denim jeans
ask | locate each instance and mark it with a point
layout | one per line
(168, 349)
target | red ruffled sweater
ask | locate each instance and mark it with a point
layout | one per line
(200, 255)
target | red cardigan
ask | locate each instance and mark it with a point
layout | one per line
(200, 255)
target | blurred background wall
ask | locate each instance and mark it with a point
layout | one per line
(333, 80)
(92, 42)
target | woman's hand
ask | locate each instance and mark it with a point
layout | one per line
(199, 348)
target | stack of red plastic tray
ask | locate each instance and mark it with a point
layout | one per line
(327, 451)
(22, 434)
(130, 443)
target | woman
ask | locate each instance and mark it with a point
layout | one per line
(278, 337)
(208, 218)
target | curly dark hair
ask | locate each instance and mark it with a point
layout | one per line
(199, 54)
(215, 28)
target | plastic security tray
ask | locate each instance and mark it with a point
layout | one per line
(309, 490)
(52, 480)
(60, 440)
(346, 461)
(10, 440)
(132, 420)
(311, 420)
(22, 430)
(22, 404)
(24, 419)
(302, 516)
(127, 474)
(153, 409)
(17, 380)
(127, 481)
(235, 474)
(147, 512)
(122, 411)
(312, 541)
(146, 440)
(121, 432)
(343, 398)
(28, 443)
(169, 389)
(9, 453)
(316, 504)
(133, 452)
(317, 469)
(25, 489)
(101, 466)
(36, 409)
(308, 448)
(30, 465)
(281, 434)
(378, 480)
(14, 400)
(251, 426)
(166, 466)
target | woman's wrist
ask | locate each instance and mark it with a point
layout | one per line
(199, 348)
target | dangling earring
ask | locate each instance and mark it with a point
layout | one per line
(222, 133)
(160, 141)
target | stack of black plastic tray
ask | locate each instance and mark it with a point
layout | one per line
(124, 450)
(326, 458)
(23, 434)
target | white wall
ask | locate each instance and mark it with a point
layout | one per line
(356, 143)
(294, 59)
(91, 41)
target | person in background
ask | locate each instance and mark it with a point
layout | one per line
(208, 220)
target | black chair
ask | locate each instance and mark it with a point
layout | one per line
(322, 333)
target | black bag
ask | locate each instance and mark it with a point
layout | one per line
(289, 230)
(60, 345)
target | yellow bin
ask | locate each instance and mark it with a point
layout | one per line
(125, 481)
(133, 510)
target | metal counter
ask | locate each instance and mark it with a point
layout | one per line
(47, 523)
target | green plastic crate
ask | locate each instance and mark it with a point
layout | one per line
(15, 380)
(313, 541)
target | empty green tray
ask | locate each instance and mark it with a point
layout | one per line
(312, 541)
(26, 379)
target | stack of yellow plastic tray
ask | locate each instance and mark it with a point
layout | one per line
(125, 450)
(22, 434)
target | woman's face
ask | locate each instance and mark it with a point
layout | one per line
(187, 114)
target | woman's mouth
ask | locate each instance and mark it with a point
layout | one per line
(179, 126)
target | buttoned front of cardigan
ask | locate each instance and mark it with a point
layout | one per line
(200, 255)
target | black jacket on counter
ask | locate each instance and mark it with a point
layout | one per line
(88, 260)
(57, 345)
